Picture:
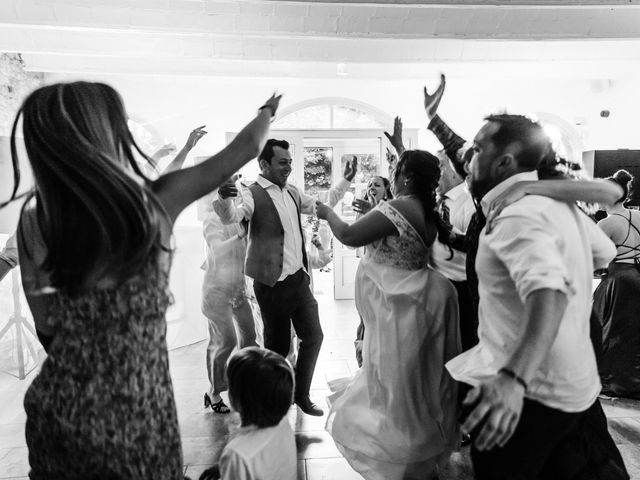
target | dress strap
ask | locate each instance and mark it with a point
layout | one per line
(405, 228)
(633, 251)
(395, 217)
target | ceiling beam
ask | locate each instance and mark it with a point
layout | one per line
(478, 3)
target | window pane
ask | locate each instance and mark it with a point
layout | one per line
(317, 169)
(349, 117)
(318, 116)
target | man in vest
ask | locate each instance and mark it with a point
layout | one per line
(277, 260)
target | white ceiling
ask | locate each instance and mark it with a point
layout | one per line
(307, 38)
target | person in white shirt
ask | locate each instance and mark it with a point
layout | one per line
(278, 262)
(264, 448)
(533, 411)
(456, 207)
(224, 301)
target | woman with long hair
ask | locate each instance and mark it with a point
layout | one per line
(397, 418)
(94, 241)
(617, 299)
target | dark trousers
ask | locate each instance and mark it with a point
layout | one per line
(549, 444)
(468, 316)
(291, 301)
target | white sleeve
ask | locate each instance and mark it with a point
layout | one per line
(230, 213)
(337, 192)
(529, 252)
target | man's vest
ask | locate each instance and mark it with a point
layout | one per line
(265, 252)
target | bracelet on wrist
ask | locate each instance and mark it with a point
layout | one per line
(511, 374)
(270, 108)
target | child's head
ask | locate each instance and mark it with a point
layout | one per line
(260, 386)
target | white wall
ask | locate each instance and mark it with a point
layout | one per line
(174, 105)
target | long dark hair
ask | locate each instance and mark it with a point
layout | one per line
(96, 220)
(423, 169)
(622, 178)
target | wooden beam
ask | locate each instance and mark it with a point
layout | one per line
(478, 3)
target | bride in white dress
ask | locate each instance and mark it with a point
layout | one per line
(397, 419)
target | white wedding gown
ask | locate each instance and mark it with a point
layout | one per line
(397, 418)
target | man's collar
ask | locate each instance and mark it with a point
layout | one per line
(264, 183)
(496, 191)
(456, 191)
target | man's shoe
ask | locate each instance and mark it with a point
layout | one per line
(308, 407)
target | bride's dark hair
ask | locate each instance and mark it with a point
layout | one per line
(423, 169)
(96, 220)
(622, 178)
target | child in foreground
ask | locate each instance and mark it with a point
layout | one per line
(261, 391)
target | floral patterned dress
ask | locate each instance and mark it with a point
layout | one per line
(397, 417)
(102, 405)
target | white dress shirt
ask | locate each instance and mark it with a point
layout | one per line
(226, 247)
(288, 213)
(537, 243)
(461, 209)
(260, 454)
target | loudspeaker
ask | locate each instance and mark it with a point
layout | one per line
(604, 163)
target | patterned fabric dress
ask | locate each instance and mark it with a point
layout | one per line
(102, 406)
(397, 418)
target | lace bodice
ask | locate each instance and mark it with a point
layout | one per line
(406, 250)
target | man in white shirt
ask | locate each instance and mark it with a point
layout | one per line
(277, 260)
(456, 208)
(534, 371)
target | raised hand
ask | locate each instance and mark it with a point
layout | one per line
(163, 151)
(195, 136)
(396, 138)
(392, 158)
(431, 102)
(228, 190)
(272, 104)
(350, 169)
(361, 206)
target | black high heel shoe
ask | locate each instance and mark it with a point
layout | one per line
(218, 407)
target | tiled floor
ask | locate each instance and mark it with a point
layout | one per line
(205, 433)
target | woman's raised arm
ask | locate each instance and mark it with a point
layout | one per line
(176, 190)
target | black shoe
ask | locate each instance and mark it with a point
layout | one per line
(218, 407)
(308, 407)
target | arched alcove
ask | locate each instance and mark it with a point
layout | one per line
(328, 113)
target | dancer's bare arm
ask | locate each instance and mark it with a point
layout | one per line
(194, 137)
(589, 191)
(176, 190)
(369, 227)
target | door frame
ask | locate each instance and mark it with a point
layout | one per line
(344, 288)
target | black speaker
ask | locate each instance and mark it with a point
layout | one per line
(607, 162)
